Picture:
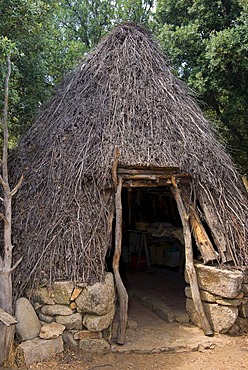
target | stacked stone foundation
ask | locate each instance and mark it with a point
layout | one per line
(224, 294)
(79, 316)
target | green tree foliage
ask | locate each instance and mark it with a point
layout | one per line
(207, 43)
(24, 23)
(49, 38)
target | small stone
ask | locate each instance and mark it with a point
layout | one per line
(69, 340)
(41, 295)
(82, 285)
(56, 309)
(73, 305)
(85, 334)
(98, 323)
(242, 323)
(61, 292)
(245, 279)
(75, 293)
(71, 322)
(239, 296)
(37, 350)
(245, 289)
(50, 331)
(243, 310)
(45, 318)
(182, 318)
(37, 305)
(93, 347)
(28, 326)
(234, 330)
(132, 324)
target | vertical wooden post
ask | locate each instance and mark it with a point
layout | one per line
(189, 264)
(121, 290)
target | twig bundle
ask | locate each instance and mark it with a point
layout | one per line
(123, 94)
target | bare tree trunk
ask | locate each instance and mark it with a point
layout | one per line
(6, 332)
(6, 269)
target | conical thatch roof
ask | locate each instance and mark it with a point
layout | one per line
(123, 94)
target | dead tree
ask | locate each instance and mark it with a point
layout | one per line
(6, 268)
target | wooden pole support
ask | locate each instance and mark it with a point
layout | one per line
(189, 264)
(121, 290)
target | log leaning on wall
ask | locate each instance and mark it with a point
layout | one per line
(189, 264)
(202, 240)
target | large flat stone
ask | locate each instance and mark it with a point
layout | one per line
(86, 334)
(99, 298)
(37, 349)
(62, 291)
(222, 282)
(228, 302)
(72, 322)
(93, 347)
(28, 326)
(50, 331)
(98, 323)
(41, 295)
(221, 318)
(205, 296)
(56, 309)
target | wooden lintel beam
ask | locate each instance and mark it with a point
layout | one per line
(145, 183)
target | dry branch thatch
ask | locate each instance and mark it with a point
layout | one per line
(123, 94)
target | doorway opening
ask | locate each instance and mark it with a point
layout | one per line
(153, 251)
(149, 239)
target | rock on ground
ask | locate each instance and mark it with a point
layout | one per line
(37, 349)
(221, 318)
(28, 326)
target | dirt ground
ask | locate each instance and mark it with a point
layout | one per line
(232, 355)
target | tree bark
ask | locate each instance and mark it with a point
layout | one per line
(6, 269)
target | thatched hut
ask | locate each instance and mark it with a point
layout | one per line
(121, 120)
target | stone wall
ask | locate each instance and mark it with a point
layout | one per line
(224, 294)
(79, 316)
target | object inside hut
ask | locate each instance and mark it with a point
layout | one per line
(152, 229)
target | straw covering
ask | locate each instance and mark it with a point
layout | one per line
(125, 95)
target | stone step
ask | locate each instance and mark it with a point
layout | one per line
(160, 308)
